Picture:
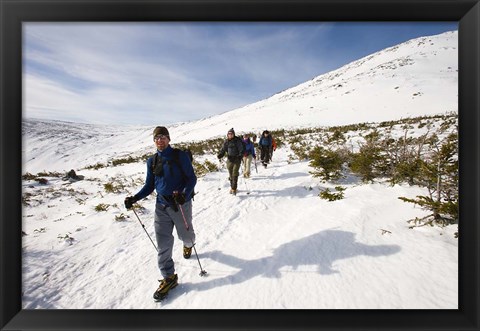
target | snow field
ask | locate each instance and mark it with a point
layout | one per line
(280, 246)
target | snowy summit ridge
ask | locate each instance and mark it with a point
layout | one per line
(418, 77)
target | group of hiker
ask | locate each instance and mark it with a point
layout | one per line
(170, 173)
(242, 151)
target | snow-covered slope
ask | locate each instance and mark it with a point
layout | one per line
(60, 146)
(274, 245)
(415, 78)
(418, 77)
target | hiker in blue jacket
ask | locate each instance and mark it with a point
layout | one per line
(248, 155)
(265, 144)
(170, 173)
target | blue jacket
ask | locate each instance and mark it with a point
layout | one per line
(249, 148)
(265, 141)
(172, 179)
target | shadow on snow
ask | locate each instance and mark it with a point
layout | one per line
(321, 249)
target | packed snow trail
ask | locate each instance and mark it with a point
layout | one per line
(281, 244)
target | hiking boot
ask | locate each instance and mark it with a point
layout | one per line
(187, 252)
(166, 285)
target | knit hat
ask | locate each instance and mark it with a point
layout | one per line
(161, 130)
(232, 131)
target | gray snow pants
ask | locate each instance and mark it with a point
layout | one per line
(165, 220)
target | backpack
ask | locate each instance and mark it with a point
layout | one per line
(234, 141)
(244, 146)
(175, 159)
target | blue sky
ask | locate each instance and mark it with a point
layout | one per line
(163, 73)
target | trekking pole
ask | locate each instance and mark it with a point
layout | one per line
(133, 208)
(255, 159)
(202, 272)
(220, 177)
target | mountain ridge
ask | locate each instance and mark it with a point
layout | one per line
(422, 78)
(415, 78)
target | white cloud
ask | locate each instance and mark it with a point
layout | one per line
(119, 67)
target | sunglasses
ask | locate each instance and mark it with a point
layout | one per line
(160, 137)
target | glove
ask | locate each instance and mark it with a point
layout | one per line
(179, 197)
(245, 154)
(129, 201)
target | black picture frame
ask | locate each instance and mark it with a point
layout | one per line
(14, 12)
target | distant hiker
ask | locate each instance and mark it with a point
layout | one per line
(248, 155)
(265, 144)
(273, 147)
(255, 144)
(170, 173)
(234, 148)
